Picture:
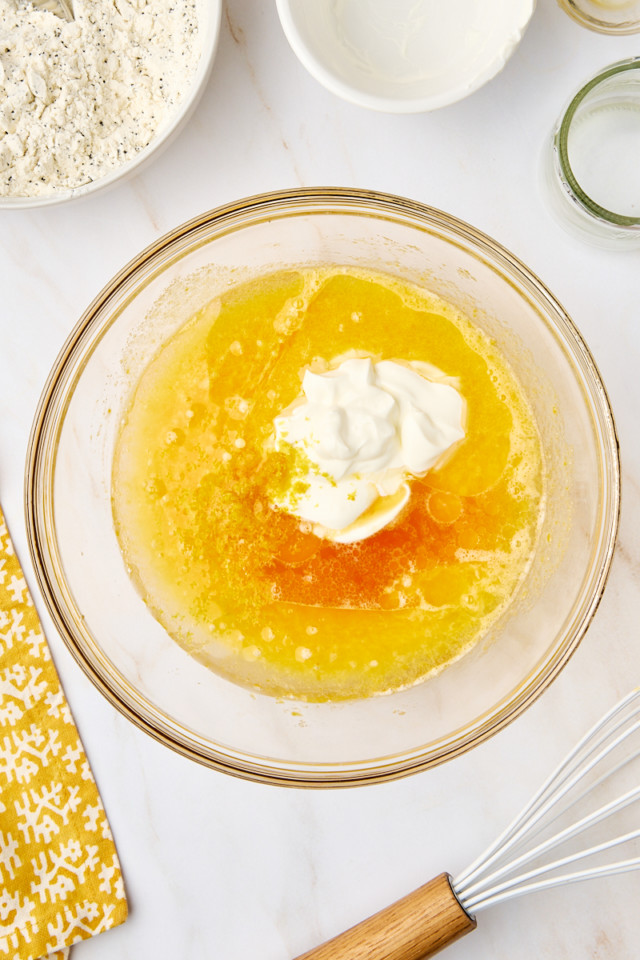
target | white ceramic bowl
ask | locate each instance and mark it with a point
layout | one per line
(404, 56)
(209, 17)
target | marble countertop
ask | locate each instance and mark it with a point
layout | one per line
(218, 867)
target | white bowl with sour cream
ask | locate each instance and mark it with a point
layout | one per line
(404, 56)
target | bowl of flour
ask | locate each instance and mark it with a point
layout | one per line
(86, 102)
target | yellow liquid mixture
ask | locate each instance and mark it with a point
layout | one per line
(246, 588)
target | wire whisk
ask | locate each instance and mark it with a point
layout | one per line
(594, 783)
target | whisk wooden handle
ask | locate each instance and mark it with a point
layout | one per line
(413, 928)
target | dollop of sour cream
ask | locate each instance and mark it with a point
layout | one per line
(361, 429)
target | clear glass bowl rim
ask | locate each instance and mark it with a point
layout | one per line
(50, 413)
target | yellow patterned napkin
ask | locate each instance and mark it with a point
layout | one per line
(60, 879)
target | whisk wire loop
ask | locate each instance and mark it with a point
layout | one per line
(488, 896)
(591, 788)
(622, 866)
(567, 834)
(477, 887)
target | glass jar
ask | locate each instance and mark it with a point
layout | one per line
(605, 16)
(592, 164)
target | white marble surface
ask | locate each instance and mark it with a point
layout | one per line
(220, 868)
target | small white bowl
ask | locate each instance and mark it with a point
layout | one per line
(209, 17)
(404, 56)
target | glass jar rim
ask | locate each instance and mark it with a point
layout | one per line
(574, 9)
(562, 139)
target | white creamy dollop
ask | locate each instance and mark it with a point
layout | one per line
(364, 427)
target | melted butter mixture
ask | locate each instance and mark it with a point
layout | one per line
(250, 590)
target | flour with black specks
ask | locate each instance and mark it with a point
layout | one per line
(80, 99)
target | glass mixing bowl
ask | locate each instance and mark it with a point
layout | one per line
(127, 653)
